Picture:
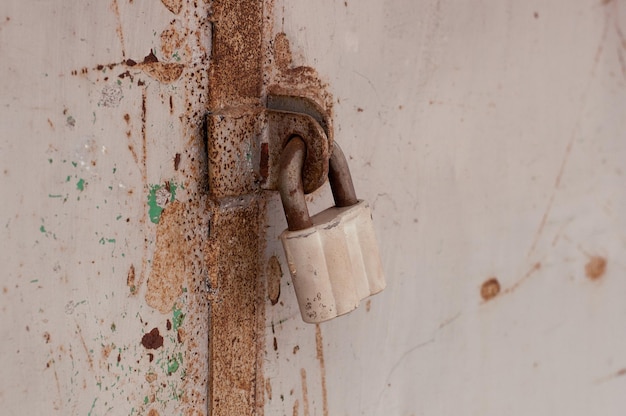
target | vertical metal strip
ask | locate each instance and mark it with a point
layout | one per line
(235, 242)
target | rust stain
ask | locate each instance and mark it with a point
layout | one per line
(490, 289)
(296, 408)
(172, 42)
(533, 269)
(130, 280)
(46, 337)
(274, 275)
(176, 161)
(305, 392)
(153, 412)
(119, 30)
(319, 348)
(152, 340)
(173, 6)
(368, 305)
(268, 388)
(172, 253)
(595, 268)
(164, 72)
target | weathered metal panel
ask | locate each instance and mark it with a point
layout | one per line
(104, 296)
(489, 139)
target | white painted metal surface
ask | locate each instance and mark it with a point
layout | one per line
(489, 138)
(97, 312)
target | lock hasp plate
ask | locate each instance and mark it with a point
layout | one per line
(335, 263)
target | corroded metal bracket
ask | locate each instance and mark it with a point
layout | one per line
(287, 117)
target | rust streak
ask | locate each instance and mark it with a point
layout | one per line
(119, 30)
(319, 348)
(305, 392)
(529, 273)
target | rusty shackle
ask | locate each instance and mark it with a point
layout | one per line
(291, 188)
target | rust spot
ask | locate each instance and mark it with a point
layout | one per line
(176, 161)
(171, 105)
(130, 280)
(152, 340)
(130, 62)
(536, 15)
(46, 337)
(595, 268)
(274, 275)
(127, 118)
(153, 412)
(51, 124)
(490, 289)
(168, 325)
(359, 110)
(106, 351)
(275, 344)
(173, 6)
(368, 305)
(296, 349)
(305, 392)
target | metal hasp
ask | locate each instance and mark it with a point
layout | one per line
(289, 117)
(332, 256)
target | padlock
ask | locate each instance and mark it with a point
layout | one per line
(332, 256)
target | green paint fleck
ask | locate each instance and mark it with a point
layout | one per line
(172, 366)
(92, 406)
(177, 318)
(113, 327)
(155, 210)
(69, 178)
(114, 170)
(80, 185)
(74, 164)
(42, 229)
(119, 82)
(103, 240)
(34, 280)
(71, 121)
(55, 196)
(50, 161)
(145, 400)
(119, 217)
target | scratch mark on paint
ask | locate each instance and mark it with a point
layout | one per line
(570, 144)
(84, 344)
(529, 273)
